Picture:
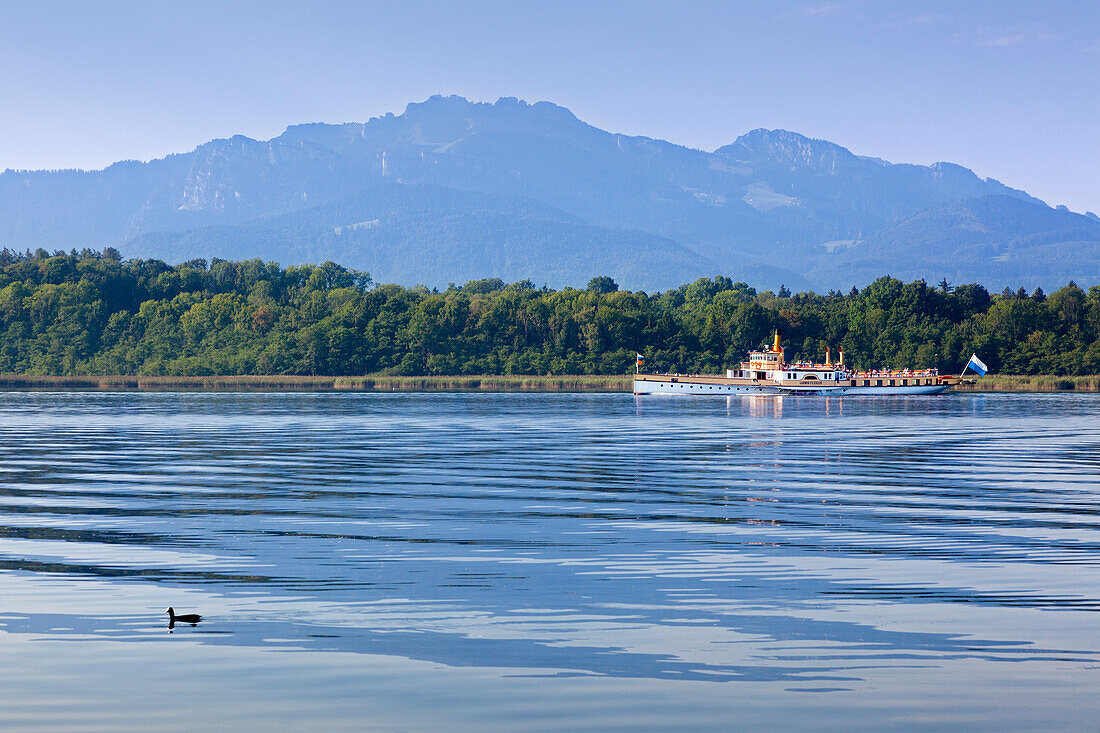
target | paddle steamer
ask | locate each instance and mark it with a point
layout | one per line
(767, 372)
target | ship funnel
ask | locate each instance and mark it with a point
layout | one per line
(840, 349)
(778, 343)
(828, 356)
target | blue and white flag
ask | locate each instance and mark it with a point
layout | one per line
(975, 364)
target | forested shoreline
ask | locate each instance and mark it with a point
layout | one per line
(93, 313)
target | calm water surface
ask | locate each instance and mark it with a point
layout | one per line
(549, 562)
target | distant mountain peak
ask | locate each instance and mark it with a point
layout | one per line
(786, 148)
(452, 104)
(236, 143)
(439, 103)
(445, 118)
(762, 135)
(945, 170)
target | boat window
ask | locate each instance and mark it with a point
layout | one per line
(891, 382)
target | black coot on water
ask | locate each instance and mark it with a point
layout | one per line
(187, 618)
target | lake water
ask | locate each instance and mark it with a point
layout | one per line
(549, 562)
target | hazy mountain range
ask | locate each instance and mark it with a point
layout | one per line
(453, 190)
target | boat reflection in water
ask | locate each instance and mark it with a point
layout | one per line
(759, 405)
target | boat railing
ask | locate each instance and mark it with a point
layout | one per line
(897, 373)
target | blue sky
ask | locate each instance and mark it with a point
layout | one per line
(1007, 88)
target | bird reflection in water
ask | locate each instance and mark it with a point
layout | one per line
(187, 618)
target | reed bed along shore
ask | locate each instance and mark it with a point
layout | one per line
(1037, 383)
(507, 383)
(486, 383)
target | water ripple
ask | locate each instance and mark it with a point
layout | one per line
(825, 542)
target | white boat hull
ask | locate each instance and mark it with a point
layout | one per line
(685, 386)
(921, 389)
(725, 387)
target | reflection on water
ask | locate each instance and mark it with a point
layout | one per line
(892, 561)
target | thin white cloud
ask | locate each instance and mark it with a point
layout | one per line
(1015, 36)
(826, 9)
(913, 21)
(1011, 39)
(823, 9)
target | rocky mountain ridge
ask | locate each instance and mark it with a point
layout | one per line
(515, 190)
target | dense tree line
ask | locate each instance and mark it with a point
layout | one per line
(95, 313)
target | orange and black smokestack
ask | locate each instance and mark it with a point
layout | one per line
(778, 343)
